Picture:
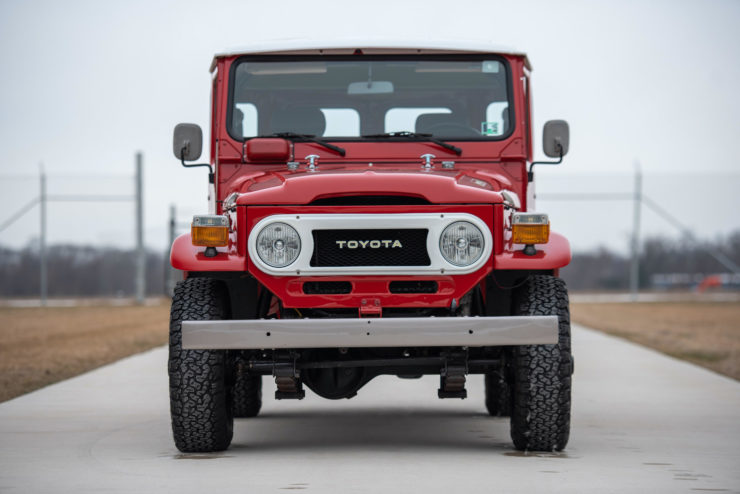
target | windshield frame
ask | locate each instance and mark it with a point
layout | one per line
(410, 57)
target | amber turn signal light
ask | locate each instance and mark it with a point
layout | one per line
(210, 231)
(530, 228)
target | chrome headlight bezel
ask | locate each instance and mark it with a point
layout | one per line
(277, 240)
(452, 245)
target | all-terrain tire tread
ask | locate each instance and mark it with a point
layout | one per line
(200, 402)
(540, 419)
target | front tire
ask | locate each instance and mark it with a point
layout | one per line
(540, 418)
(200, 394)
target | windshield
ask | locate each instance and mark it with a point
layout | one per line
(454, 98)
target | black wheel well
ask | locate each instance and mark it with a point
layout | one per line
(500, 287)
(243, 289)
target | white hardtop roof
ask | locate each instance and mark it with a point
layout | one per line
(368, 47)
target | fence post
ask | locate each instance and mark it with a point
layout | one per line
(635, 267)
(43, 282)
(140, 281)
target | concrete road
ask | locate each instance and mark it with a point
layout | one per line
(642, 422)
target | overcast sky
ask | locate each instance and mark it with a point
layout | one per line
(85, 85)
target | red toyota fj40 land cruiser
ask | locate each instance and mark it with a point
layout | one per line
(371, 212)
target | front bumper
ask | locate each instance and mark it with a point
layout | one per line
(366, 333)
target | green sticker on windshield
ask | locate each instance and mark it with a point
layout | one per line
(489, 128)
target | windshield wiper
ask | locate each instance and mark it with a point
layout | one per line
(309, 137)
(416, 135)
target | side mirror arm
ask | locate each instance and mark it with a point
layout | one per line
(193, 165)
(530, 173)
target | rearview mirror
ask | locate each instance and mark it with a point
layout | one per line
(187, 141)
(555, 137)
(370, 87)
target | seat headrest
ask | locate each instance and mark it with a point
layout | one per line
(238, 123)
(298, 119)
(444, 124)
(505, 118)
(427, 121)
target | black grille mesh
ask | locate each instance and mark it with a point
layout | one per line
(411, 252)
(327, 287)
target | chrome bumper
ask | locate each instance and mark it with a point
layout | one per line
(382, 332)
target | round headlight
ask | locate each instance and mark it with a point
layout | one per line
(278, 245)
(461, 243)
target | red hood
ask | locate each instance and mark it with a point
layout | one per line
(436, 186)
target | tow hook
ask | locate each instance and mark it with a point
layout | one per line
(371, 308)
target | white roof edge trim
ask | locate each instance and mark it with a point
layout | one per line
(369, 47)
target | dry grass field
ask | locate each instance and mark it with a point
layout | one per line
(40, 346)
(705, 333)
